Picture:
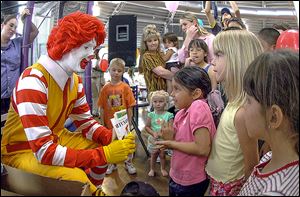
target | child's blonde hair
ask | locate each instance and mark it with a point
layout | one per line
(240, 48)
(162, 94)
(118, 62)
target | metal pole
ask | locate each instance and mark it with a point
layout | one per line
(88, 70)
(26, 34)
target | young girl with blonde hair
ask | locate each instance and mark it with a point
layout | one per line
(159, 101)
(234, 153)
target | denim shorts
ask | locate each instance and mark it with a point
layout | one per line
(197, 189)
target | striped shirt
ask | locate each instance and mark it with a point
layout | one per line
(44, 97)
(149, 62)
(281, 182)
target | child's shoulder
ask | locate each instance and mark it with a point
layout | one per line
(199, 103)
(199, 109)
(106, 85)
(151, 114)
(125, 84)
(169, 114)
(173, 48)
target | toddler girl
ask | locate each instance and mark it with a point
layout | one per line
(159, 101)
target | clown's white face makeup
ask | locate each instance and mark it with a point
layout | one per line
(77, 59)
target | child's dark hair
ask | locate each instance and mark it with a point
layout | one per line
(282, 26)
(192, 77)
(269, 35)
(199, 43)
(237, 20)
(139, 188)
(273, 78)
(171, 37)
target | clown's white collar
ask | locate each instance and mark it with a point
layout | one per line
(59, 75)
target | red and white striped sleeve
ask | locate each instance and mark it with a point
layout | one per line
(84, 121)
(30, 102)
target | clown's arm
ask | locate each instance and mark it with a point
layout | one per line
(84, 121)
(30, 102)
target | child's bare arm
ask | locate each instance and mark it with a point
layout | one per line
(148, 127)
(249, 146)
(101, 116)
(130, 115)
(213, 79)
(168, 55)
(200, 147)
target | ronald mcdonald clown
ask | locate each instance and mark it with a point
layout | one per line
(46, 94)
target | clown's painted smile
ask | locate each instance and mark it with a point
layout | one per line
(77, 59)
(85, 62)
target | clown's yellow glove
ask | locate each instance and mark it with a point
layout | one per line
(118, 150)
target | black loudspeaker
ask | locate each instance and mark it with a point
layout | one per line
(122, 38)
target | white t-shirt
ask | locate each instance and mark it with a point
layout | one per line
(174, 57)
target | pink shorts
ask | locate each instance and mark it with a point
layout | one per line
(228, 189)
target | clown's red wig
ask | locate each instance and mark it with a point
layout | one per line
(72, 31)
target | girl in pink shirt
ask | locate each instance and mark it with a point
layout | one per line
(192, 132)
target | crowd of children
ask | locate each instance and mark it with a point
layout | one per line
(223, 156)
(227, 157)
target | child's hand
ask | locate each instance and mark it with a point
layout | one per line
(159, 134)
(190, 62)
(187, 61)
(155, 135)
(167, 131)
(162, 145)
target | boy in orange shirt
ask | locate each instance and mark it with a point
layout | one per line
(116, 95)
